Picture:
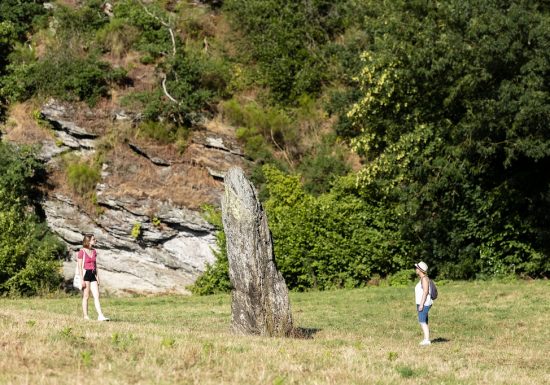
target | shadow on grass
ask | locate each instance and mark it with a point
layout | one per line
(440, 340)
(304, 333)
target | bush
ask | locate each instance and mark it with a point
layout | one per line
(29, 253)
(117, 37)
(331, 241)
(401, 278)
(215, 278)
(162, 132)
(82, 178)
(63, 75)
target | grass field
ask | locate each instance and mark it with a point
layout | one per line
(485, 333)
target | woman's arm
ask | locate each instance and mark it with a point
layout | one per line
(80, 262)
(425, 289)
(96, 269)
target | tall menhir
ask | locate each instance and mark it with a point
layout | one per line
(259, 303)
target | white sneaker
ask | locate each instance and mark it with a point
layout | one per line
(102, 318)
(425, 342)
(86, 318)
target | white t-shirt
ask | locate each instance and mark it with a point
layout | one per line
(418, 295)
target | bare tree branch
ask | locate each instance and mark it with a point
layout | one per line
(164, 23)
(172, 37)
(166, 91)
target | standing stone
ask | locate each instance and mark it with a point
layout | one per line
(260, 303)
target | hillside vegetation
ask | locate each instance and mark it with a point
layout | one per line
(379, 133)
(483, 333)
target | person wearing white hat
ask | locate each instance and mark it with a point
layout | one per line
(423, 300)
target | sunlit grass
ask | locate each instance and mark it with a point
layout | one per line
(485, 333)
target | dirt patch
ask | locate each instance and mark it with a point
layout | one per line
(185, 183)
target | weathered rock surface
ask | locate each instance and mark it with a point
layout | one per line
(153, 187)
(166, 257)
(260, 302)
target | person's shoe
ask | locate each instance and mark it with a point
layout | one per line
(102, 318)
(425, 343)
(86, 318)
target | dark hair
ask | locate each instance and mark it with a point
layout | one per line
(86, 240)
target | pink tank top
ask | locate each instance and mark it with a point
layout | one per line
(89, 262)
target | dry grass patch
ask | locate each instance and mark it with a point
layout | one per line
(366, 336)
(22, 126)
(186, 184)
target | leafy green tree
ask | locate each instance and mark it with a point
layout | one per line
(454, 124)
(331, 241)
(29, 253)
(321, 168)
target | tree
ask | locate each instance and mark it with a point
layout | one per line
(29, 252)
(17, 17)
(454, 123)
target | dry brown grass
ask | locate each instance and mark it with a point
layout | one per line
(184, 183)
(21, 126)
(488, 333)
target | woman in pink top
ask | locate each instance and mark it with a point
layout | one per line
(87, 267)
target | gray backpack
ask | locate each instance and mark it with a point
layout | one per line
(433, 290)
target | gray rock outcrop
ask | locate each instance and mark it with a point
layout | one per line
(168, 255)
(151, 235)
(260, 303)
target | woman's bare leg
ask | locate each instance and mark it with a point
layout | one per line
(426, 330)
(85, 296)
(95, 294)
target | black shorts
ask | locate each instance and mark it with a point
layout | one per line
(89, 276)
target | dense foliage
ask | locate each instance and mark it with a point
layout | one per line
(452, 118)
(29, 253)
(17, 18)
(294, 41)
(447, 105)
(330, 241)
(454, 121)
(193, 79)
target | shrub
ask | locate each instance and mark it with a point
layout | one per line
(117, 37)
(215, 279)
(82, 178)
(136, 231)
(162, 132)
(29, 253)
(331, 241)
(401, 278)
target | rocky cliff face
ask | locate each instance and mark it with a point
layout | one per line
(151, 235)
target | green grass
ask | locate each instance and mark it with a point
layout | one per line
(488, 333)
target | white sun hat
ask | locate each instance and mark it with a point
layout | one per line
(422, 266)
